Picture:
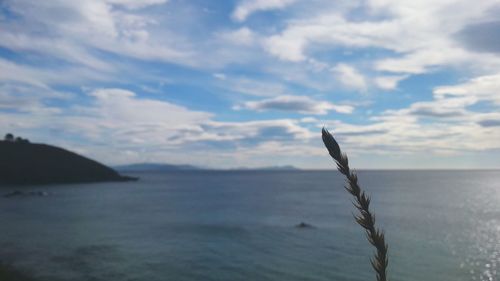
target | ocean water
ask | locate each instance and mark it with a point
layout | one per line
(239, 225)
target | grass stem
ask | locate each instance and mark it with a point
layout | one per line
(365, 218)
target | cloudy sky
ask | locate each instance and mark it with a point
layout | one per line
(402, 84)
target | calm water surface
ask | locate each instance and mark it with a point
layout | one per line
(440, 225)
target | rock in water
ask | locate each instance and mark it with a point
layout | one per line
(303, 225)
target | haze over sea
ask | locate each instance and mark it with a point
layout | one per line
(239, 225)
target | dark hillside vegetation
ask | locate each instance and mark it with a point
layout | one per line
(23, 163)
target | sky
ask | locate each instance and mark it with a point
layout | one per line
(250, 83)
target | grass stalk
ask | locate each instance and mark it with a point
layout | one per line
(365, 218)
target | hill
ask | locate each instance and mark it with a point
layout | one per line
(27, 163)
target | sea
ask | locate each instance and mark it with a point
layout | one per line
(241, 225)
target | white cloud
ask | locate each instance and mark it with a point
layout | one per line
(254, 132)
(242, 36)
(252, 87)
(73, 30)
(487, 120)
(423, 61)
(438, 108)
(433, 25)
(403, 134)
(117, 126)
(119, 107)
(136, 4)
(309, 120)
(485, 88)
(162, 123)
(389, 82)
(98, 34)
(298, 104)
(119, 117)
(12, 72)
(57, 48)
(26, 98)
(44, 77)
(291, 49)
(93, 43)
(349, 77)
(220, 76)
(247, 7)
(446, 125)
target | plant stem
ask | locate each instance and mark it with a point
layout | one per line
(362, 202)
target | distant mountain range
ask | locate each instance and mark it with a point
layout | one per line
(161, 167)
(271, 168)
(152, 167)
